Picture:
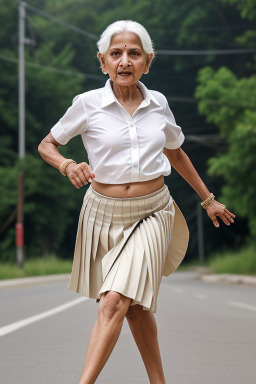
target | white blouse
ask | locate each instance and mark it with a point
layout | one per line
(121, 148)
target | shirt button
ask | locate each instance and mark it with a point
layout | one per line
(135, 165)
(135, 146)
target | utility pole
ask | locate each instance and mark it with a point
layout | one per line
(200, 232)
(19, 228)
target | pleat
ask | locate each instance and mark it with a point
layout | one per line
(159, 255)
(128, 275)
(107, 218)
(144, 241)
(73, 283)
(127, 245)
(111, 256)
(90, 225)
(165, 236)
(178, 244)
(117, 225)
(151, 254)
(98, 226)
(83, 284)
(144, 292)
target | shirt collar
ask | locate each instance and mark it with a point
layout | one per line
(108, 96)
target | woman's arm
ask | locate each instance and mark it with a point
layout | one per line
(78, 174)
(182, 164)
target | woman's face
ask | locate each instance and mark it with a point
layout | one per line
(125, 60)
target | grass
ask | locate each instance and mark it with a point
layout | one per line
(242, 262)
(47, 265)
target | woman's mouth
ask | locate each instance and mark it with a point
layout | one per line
(124, 74)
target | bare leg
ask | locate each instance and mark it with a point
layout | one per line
(111, 312)
(144, 330)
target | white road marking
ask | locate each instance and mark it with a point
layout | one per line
(22, 323)
(200, 296)
(241, 305)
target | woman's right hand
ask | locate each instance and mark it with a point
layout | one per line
(79, 174)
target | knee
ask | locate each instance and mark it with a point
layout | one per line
(140, 320)
(134, 314)
(113, 305)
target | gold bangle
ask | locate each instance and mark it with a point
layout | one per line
(64, 165)
(207, 201)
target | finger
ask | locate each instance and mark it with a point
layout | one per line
(215, 221)
(228, 217)
(230, 213)
(225, 220)
(74, 183)
(78, 181)
(86, 176)
(78, 174)
(82, 177)
(86, 168)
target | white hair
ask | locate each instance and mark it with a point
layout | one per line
(125, 26)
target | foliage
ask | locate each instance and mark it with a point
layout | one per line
(57, 68)
(242, 262)
(229, 102)
(246, 7)
(49, 264)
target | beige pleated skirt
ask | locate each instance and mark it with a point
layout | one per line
(126, 245)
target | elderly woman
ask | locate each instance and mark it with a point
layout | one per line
(130, 231)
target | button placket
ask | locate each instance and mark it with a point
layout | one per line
(134, 152)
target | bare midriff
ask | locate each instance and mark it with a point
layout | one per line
(129, 189)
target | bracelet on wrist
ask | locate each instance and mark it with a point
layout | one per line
(64, 165)
(207, 201)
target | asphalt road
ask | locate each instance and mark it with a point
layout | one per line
(207, 335)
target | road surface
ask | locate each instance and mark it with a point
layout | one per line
(207, 335)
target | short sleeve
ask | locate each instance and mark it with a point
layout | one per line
(173, 132)
(73, 123)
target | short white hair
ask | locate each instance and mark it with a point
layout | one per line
(125, 26)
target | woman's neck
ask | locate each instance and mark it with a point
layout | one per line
(126, 94)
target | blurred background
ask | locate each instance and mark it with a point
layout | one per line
(205, 66)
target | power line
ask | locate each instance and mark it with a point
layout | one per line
(159, 52)
(199, 29)
(8, 58)
(206, 52)
(213, 141)
(52, 69)
(99, 77)
(210, 101)
(70, 26)
(64, 72)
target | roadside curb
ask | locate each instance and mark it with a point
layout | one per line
(228, 278)
(26, 281)
(205, 274)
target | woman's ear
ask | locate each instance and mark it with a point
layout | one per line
(149, 58)
(102, 63)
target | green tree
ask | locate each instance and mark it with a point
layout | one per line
(173, 25)
(48, 95)
(229, 102)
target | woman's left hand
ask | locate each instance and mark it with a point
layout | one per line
(215, 209)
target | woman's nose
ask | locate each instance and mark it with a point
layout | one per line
(124, 59)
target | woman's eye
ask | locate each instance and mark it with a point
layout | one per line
(115, 53)
(134, 53)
